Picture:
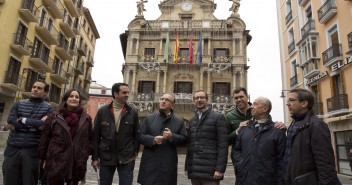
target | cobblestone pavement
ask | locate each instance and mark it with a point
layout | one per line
(91, 177)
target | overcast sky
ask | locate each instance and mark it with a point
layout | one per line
(264, 76)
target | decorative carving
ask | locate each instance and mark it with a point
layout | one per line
(143, 106)
(140, 7)
(218, 67)
(150, 66)
(221, 107)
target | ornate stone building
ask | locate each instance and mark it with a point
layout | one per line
(218, 63)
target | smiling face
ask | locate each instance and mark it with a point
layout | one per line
(122, 95)
(241, 100)
(73, 100)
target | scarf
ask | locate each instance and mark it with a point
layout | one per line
(72, 119)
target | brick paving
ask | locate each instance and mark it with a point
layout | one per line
(91, 177)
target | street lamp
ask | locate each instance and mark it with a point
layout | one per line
(283, 94)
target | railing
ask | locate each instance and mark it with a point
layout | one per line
(68, 19)
(19, 39)
(309, 26)
(183, 97)
(63, 43)
(288, 17)
(325, 8)
(222, 99)
(88, 77)
(80, 66)
(294, 80)
(291, 46)
(337, 102)
(349, 37)
(13, 78)
(176, 24)
(144, 97)
(83, 48)
(331, 53)
(318, 108)
(29, 5)
(41, 54)
(47, 23)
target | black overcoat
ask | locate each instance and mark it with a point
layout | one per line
(159, 162)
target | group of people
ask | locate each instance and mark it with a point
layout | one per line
(263, 152)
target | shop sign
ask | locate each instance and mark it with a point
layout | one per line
(318, 77)
(339, 65)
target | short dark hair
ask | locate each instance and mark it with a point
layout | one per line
(46, 86)
(116, 88)
(67, 95)
(206, 95)
(239, 89)
(304, 95)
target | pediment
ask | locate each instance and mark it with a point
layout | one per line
(168, 3)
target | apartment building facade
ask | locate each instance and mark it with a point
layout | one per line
(316, 52)
(211, 56)
(52, 40)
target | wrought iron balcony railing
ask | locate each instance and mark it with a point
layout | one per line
(325, 9)
(291, 46)
(13, 78)
(338, 102)
(333, 52)
(318, 108)
(309, 26)
(288, 17)
(294, 80)
(31, 12)
(349, 37)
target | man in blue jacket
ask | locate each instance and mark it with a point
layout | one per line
(21, 165)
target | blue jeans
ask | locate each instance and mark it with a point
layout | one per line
(125, 172)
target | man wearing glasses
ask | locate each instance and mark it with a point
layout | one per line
(206, 158)
(160, 133)
(309, 157)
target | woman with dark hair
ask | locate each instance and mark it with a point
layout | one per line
(66, 142)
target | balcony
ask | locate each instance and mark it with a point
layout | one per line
(291, 47)
(222, 99)
(12, 81)
(90, 62)
(76, 27)
(88, 78)
(318, 108)
(326, 11)
(311, 69)
(79, 68)
(70, 71)
(332, 55)
(184, 97)
(72, 6)
(294, 80)
(338, 104)
(307, 28)
(62, 49)
(21, 45)
(302, 2)
(47, 31)
(349, 38)
(60, 76)
(288, 17)
(29, 11)
(54, 99)
(66, 26)
(55, 8)
(82, 50)
(41, 61)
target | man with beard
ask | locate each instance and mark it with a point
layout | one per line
(21, 165)
(161, 133)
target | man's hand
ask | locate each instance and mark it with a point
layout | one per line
(217, 175)
(242, 124)
(280, 125)
(158, 139)
(95, 164)
(167, 134)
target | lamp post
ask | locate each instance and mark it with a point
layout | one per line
(284, 105)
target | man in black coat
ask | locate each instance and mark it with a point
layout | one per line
(259, 149)
(206, 158)
(160, 133)
(309, 157)
(27, 117)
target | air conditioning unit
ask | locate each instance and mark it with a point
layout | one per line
(2, 1)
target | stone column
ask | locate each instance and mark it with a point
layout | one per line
(127, 74)
(208, 83)
(164, 83)
(157, 82)
(134, 81)
(201, 79)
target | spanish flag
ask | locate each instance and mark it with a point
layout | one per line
(177, 49)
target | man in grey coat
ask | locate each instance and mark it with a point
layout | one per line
(160, 133)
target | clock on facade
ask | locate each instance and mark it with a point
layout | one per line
(187, 6)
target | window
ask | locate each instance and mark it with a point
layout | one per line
(21, 33)
(308, 13)
(221, 88)
(32, 76)
(293, 79)
(57, 65)
(183, 87)
(288, 11)
(149, 54)
(237, 46)
(40, 51)
(183, 55)
(55, 93)
(309, 49)
(100, 104)
(337, 85)
(318, 105)
(343, 150)
(146, 86)
(13, 70)
(291, 41)
(220, 55)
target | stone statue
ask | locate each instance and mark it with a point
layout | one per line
(235, 6)
(140, 7)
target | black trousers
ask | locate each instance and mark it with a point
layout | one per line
(20, 169)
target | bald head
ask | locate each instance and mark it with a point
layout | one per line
(261, 108)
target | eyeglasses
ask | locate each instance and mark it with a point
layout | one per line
(199, 97)
(37, 87)
(291, 100)
(165, 99)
